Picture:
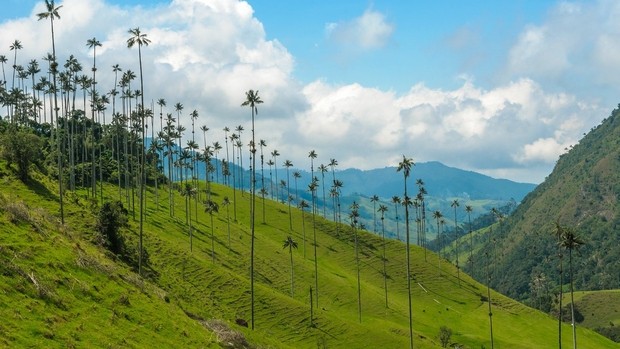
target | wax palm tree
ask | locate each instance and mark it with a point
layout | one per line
(239, 130)
(333, 163)
(93, 43)
(291, 244)
(51, 12)
(226, 202)
(16, 46)
(469, 210)
(3, 60)
(178, 107)
(270, 163)
(353, 216)
(312, 188)
(312, 155)
(274, 154)
(322, 168)
(338, 186)
(570, 241)
(216, 150)
(212, 207)
(302, 206)
(226, 130)
(296, 176)
(405, 166)
(396, 201)
(140, 39)
(490, 308)
(252, 99)
(188, 192)
(382, 210)
(288, 164)
(559, 232)
(33, 69)
(437, 215)
(263, 191)
(455, 204)
(374, 199)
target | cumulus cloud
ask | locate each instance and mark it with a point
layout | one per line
(509, 127)
(575, 49)
(206, 54)
(369, 31)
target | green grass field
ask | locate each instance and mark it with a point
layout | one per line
(58, 289)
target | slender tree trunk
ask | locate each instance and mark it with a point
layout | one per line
(572, 300)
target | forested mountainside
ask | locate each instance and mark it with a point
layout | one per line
(582, 193)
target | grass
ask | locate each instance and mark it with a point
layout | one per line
(64, 291)
(600, 310)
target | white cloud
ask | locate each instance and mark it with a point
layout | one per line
(575, 49)
(369, 31)
(205, 54)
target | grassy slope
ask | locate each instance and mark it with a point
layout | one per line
(93, 300)
(600, 309)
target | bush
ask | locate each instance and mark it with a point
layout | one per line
(111, 218)
(21, 148)
(445, 334)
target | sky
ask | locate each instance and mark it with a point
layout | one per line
(497, 87)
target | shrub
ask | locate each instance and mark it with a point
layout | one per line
(445, 334)
(111, 218)
(20, 148)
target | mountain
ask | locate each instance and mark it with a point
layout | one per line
(582, 193)
(441, 181)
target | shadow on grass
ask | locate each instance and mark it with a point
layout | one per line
(41, 190)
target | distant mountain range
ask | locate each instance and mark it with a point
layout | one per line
(442, 183)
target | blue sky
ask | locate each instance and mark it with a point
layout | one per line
(498, 87)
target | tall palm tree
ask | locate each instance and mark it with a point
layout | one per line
(239, 130)
(374, 199)
(3, 60)
(322, 168)
(226, 202)
(396, 201)
(333, 163)
(291, 244)
(302, 206)
(263, 191)
(405, 166)
(51, 12)
(226, 130)
(488, 257)
(438, 216)
(178, 107)
(93, 43)
(188, 192)
(469, 210)
(296, 176)
(312, 155)
(17, 45)
(383, 209)
(570, 241)
(140, 39)
(252, 99)
(288, 164)
(274, 154)
(212, 207)
(455, 204)
(312, 187)
(353, 216)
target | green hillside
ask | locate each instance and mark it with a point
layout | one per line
(599, 310)
(583, 193)
(59, 288)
